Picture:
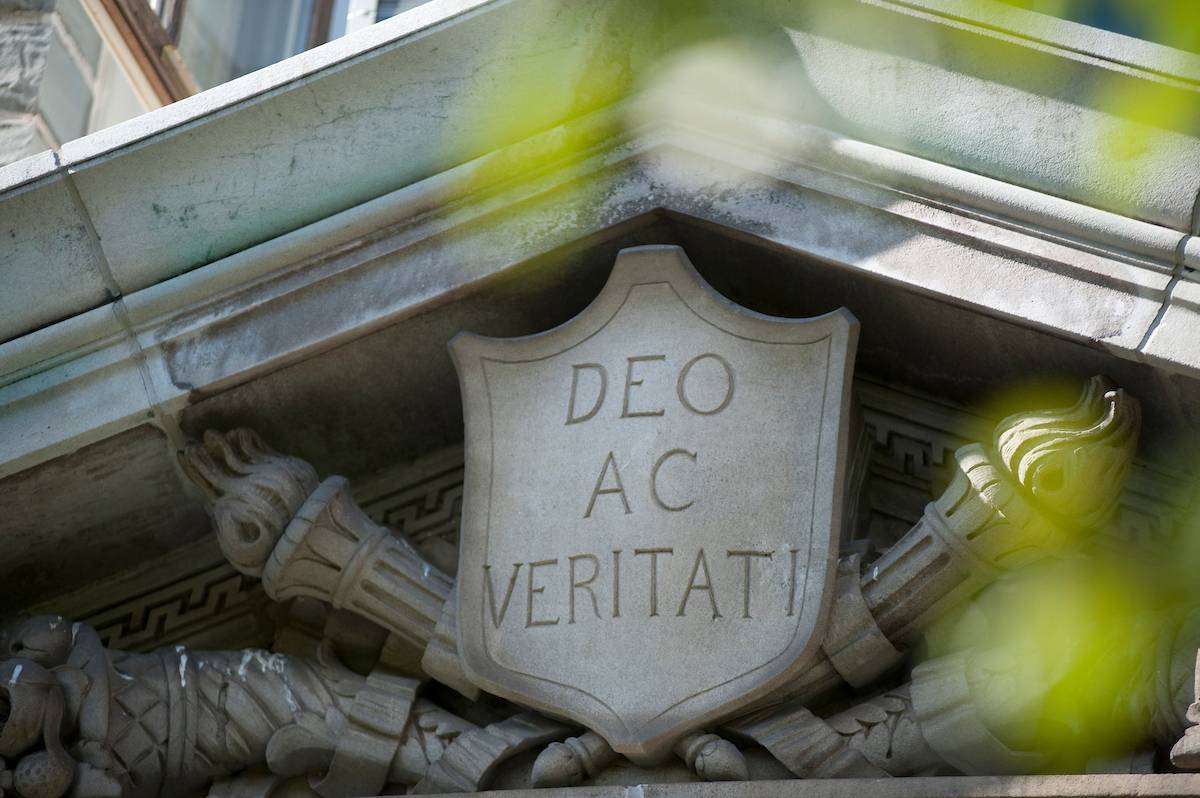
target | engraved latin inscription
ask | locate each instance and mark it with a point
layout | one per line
(747, 557)
(650, 505)
(584, 584)
(631, 383)
(586, 587)
(667, 455)
(600, 378)
(533, 591)
(704, 385)
(575, 587)
(586, 400)
(706, 586)
(588, 392)
(490, 590)
(682, 384)
(608, 483)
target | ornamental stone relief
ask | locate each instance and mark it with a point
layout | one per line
(676, 547)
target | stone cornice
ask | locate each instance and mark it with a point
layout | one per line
(1063, 37)
(374, 235)
(954, 235)
(1091, 786)
(193, 183)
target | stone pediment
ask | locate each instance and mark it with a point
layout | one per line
(313, 292)
(252, 290)
(213, 340)
(1042, 485)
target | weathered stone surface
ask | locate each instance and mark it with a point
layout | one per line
(168, 722)
(1106, 786)
(1173, 339)
(658, 480)
(24, 41)
(398, 107)
(951, 269)
(47, 261)
(331, 551)
(19, 136)
(116, 504)
(944, 107)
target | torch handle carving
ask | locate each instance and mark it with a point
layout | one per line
(1050, 478)
(274, 521)
(334, 552)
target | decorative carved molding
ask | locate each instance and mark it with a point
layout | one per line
(190, 596)
(423, 501)
(167, 616)
(108, 723)
(194, 596)
(996, 510)
(470, 760)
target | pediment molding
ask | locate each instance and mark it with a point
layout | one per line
(791, 187)
(195, 597)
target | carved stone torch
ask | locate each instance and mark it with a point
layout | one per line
(1046, 480)
(329, 548)
(1049, 479)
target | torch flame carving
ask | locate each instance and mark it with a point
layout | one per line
(1073, 460)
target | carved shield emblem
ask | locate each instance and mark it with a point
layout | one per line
(651, 504)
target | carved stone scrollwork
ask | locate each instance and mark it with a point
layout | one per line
(94, 723)
(951, 723)
(441, 660)
(857, 648)
(35, 714)
(878, 737)
(470, 761)
(253, 492)
(954, 715)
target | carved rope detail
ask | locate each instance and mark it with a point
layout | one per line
(106, 724)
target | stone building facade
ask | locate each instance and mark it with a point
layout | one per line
(241, 502)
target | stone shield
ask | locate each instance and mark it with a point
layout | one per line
(652, 503)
